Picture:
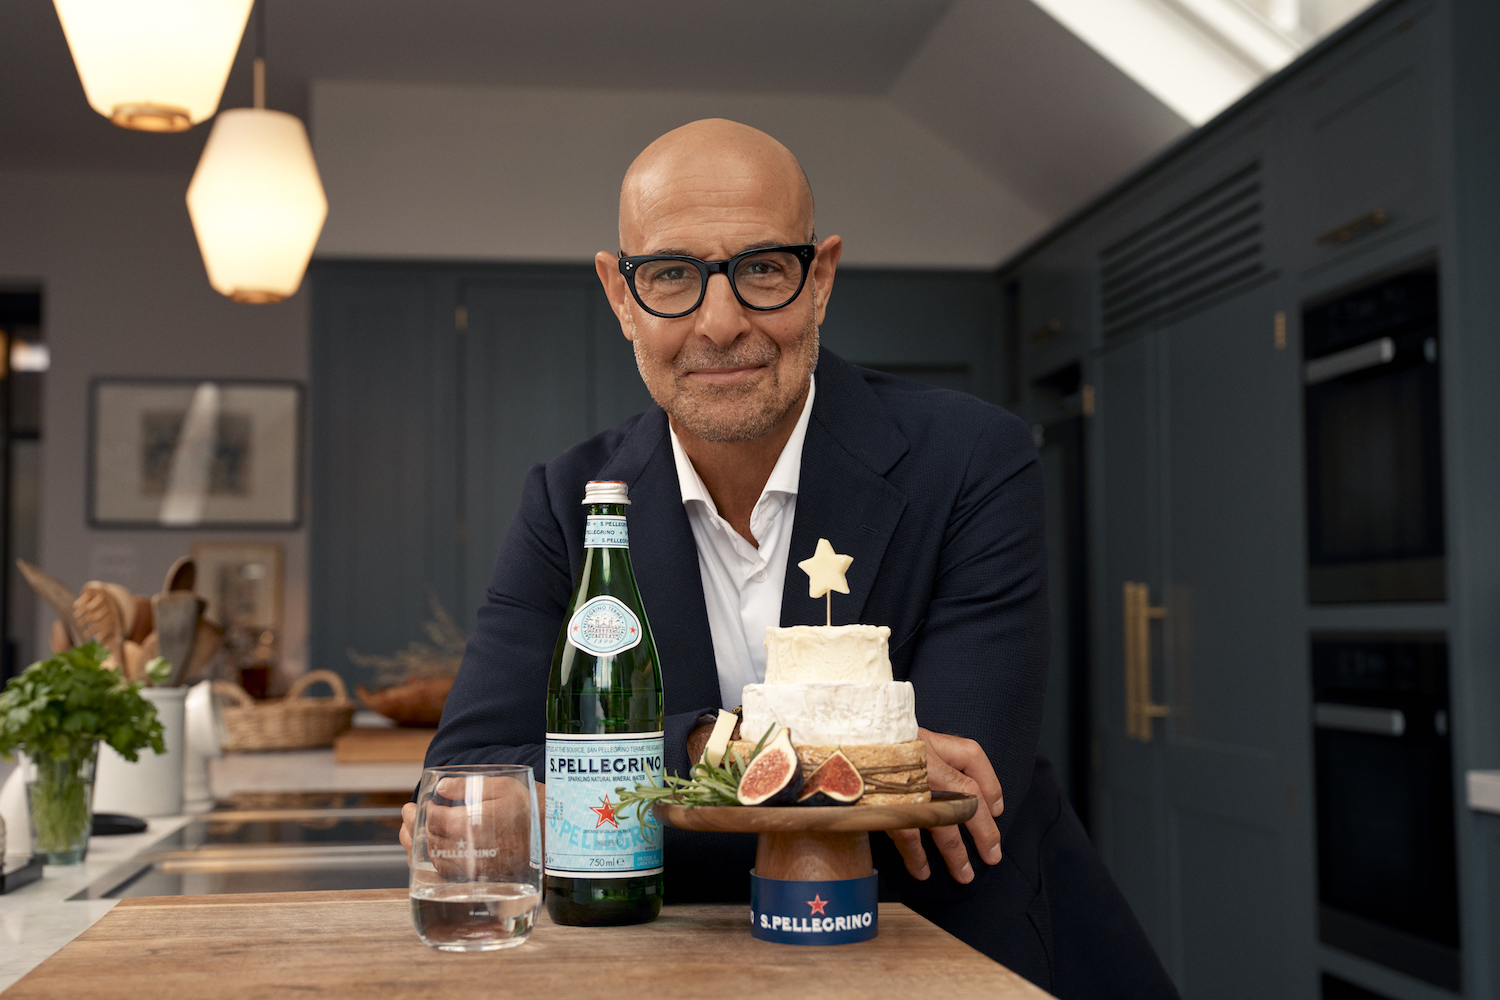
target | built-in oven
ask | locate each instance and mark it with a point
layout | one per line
(1372, 413)
(1387, 860)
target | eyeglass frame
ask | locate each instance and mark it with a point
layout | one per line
(806, 253)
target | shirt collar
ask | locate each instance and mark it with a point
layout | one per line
(785, 476)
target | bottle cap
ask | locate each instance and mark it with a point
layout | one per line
(606, 492)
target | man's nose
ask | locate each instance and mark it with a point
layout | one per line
(721, 318)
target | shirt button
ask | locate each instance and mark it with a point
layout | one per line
(759, 577)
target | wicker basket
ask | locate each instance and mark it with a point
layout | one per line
(290, 723)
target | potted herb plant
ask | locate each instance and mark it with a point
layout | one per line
(57, 711)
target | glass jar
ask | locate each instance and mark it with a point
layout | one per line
(60, 798)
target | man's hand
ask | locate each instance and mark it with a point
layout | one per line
(449, 823)
(955, 764)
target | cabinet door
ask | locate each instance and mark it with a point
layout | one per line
(383, 517)
(1126, 532)
(1197, 497)
(1365, 139)
(527, 397)
(1236, 682)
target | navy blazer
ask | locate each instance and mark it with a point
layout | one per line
(938, 497)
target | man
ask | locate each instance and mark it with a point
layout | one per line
(746, 460)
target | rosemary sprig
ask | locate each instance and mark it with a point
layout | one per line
(705, 785)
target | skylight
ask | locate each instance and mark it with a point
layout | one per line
(1200, 56)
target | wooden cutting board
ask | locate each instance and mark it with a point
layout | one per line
(382, 746)
(360, 944)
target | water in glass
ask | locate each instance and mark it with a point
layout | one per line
(476, 857)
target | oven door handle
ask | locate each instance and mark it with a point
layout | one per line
(1376, 352)
(1359, 719)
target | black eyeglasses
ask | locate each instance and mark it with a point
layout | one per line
(669, 285)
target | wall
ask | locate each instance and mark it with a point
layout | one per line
(124, 293)
(493, 174)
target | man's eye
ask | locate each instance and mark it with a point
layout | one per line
(671, 274)
(761, 268)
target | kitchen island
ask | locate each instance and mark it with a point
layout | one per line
(38, 919)
(361, 944)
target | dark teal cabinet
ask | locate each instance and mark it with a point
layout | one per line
(1165, 318)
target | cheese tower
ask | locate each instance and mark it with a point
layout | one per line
(831, 685)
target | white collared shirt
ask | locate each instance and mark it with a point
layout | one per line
(742, 583)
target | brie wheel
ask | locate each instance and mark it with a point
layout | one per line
(802, 653)
(832, 712)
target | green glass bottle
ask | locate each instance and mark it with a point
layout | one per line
(604, 730)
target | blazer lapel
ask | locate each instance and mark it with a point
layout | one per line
(842, 494)
(665, 559)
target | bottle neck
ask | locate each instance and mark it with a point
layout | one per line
(605, 527)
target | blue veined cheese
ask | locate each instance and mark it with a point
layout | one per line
(803, 653)
(832, 713)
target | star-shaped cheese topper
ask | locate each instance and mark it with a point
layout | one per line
(825, 573)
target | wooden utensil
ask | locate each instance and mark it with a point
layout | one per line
(144, 623)
(176, 613)
(182, 575)
(207, 642)
(55, 593)
(97, 615)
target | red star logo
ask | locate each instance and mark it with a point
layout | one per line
(606, 814)
(817, 903)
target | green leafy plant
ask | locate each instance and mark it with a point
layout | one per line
(706, 784)
(58, 710)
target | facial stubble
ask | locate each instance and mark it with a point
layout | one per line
(735, 412)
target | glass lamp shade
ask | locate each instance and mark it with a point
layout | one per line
(257, 204)
(153, 65)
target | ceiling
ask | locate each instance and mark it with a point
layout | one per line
(1000, 81)
(833, 46)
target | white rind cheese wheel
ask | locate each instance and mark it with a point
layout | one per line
(834, 713)
(806, 653)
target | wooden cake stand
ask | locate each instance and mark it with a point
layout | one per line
(809, 843)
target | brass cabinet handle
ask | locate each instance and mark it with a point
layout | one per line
(1139, 708)
(1352, 228)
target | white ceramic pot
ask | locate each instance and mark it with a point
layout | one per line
(15, 809)
(204, 725)
(152, 786)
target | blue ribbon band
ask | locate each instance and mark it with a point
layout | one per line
(824, 911)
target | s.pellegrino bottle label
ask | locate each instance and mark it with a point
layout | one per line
(587, 834)
(604, 733)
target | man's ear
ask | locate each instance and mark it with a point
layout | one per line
(830, 248)
(608, 267)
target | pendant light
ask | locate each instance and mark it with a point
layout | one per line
(256, 200)
(153, 65)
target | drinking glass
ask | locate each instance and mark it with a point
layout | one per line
(476, 857)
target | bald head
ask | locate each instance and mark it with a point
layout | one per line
(713, 169)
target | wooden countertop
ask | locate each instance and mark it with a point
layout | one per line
(361, 944)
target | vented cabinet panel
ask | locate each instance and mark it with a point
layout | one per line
(1206, 246)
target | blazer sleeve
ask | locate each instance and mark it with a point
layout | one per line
(980, 662)
(496, 712)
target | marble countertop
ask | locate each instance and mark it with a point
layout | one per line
(1484, 791)
(38, 919)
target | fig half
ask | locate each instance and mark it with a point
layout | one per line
(774, 777)
(835, 782)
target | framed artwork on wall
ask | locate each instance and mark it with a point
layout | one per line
(194, 453)
(242, 583)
